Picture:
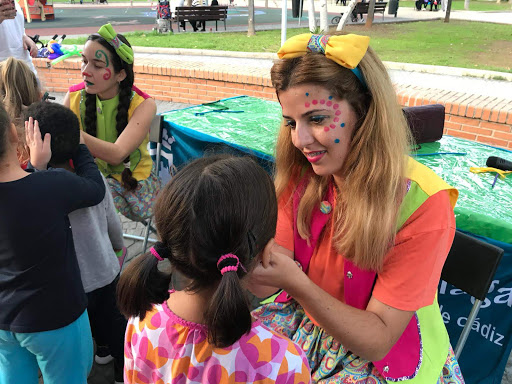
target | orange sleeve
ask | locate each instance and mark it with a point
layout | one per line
(284, 229)
(412, 268)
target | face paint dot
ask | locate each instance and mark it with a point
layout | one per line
(315, 102)
(342, 125)
(336, 141)
(336, 119)
(335, 106)
(337, 113)
(330, 97)
(306, 105)
(329, 103)
(307, 94)
(326, 129)
(322, 101)
(332, 126)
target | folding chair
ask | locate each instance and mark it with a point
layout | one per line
(470, 266)
(155, 136)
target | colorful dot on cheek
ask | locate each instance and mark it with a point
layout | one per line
(335, 106)
(329, 103)
(322, 101)
(315, 102)
(307, 94)
(330, 97)
(326, 129)
(336, 141)
(337, 113)
(307, 105)
(342, 125)
(336, 119)
(332, 126)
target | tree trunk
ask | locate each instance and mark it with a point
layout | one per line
(371, 13)
(324, 17)
(311, 16)
(250, 19)
(448, 10)
(266, 3)
(466, 5)
(189, 3)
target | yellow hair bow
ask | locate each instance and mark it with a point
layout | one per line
(124, 51)
(346, 50)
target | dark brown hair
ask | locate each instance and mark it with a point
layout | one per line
(125, 93)
(214, 206)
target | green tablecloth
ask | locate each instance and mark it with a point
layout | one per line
(253, 123)
(480, 209)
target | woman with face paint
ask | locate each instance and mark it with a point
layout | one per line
(115, 117)
(363, 230)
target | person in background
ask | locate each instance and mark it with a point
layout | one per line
(14, 41)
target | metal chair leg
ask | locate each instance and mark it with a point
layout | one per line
(467, 328)
(146, 236)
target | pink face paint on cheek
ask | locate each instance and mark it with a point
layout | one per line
(329, 103)
(337, 113)
(107, 74)
(86, 74)
(307, 105)
(315, 102)
(336, 119)
(322, 101)
(332, 126)
(326, 129)
(335, 106)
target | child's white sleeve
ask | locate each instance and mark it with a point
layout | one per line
(115, 231)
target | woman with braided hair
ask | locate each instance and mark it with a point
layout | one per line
(115, 117)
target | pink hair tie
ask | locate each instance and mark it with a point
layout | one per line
(230, 268)
(155, 253)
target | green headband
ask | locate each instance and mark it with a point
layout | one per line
(124, 51)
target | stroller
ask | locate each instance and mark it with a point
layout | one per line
(163, 17)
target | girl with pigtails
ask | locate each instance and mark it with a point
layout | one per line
(213, 229)
(363, 229)
(115, 117)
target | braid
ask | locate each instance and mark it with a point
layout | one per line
(90, 114)
(125, 92)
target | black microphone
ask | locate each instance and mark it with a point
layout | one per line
(499, 163)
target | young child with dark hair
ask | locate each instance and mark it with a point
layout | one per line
(96, 233)
(215, 219)
(43, 315)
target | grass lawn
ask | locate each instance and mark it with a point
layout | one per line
(474, 5)
(456, 44)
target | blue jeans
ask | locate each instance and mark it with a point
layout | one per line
(64, 355)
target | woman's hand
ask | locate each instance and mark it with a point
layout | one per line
(277, 268)
(7, 10)
(40, 150)
(28, 44)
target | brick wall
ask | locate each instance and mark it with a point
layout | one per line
(480, 118)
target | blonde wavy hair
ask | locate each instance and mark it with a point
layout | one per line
(18, 89)
(374, 169)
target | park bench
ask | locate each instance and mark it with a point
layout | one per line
(209, 13)
(362, 9)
